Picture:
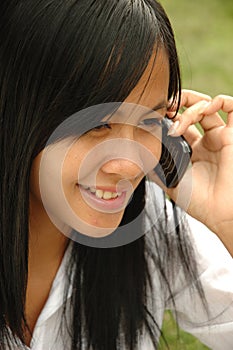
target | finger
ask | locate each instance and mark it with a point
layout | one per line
(189, 98)
(193, 115)
(192, 135)
(224, 103)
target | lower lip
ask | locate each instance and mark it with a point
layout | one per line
(109, 205)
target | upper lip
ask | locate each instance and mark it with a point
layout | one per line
(109, 188)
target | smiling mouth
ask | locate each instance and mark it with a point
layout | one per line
(101, 194)
(105, 200)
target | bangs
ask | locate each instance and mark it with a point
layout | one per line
(67, 56)
(110, 51)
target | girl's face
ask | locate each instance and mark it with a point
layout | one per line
(86, 183)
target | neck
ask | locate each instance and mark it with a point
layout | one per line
(47, 244)
(46, 250)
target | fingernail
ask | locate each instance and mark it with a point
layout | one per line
(173, 128)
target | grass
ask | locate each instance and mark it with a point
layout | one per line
(203, 31)
(185, 341)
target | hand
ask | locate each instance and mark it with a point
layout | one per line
(211, 199)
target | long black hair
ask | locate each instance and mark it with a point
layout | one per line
(58, 57)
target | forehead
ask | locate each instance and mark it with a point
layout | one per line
(152, 88)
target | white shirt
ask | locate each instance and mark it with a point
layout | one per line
(216, 275)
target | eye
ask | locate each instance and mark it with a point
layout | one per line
(150, 122)
(101, 127)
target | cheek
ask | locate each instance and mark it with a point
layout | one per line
(72, 162)
(70, 170)
(151, 148)
(154, 145)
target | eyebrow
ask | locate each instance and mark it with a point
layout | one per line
(160, 105)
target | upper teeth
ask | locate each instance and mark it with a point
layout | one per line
(101, 193)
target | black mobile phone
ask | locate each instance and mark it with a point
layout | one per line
(175, 157)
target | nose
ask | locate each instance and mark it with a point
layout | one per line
(124, 168)
(125, 161)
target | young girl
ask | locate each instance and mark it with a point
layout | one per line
(91, 251)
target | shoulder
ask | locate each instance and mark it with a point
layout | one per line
(210, 251)
(204, 241)
(212, 258)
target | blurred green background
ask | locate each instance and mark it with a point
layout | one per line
(204, 37)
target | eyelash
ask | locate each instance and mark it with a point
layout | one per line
(102, 126)
(152, 122)
(146, 122)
